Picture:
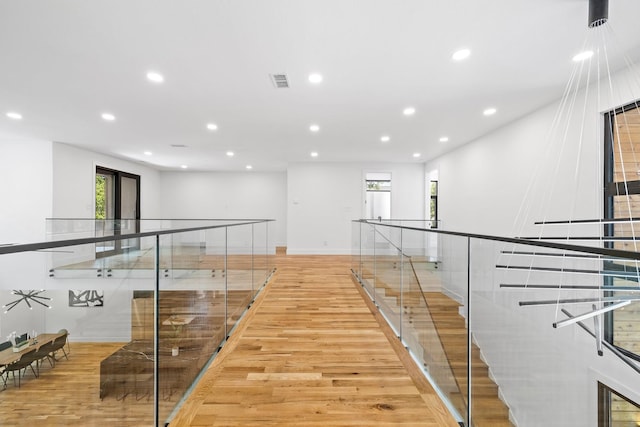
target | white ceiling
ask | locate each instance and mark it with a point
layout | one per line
(65, 62)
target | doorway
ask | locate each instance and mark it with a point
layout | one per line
(117, 209)
(377, 200)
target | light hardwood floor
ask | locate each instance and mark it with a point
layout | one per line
(68, 395)
(311, 353)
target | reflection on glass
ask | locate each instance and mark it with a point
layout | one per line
(108, 306)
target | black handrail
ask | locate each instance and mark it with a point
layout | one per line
(29, 247)
(562, 246)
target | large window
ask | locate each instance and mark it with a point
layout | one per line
(117, 209)
(622, 203)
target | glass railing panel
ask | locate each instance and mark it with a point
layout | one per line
(434, 328)
(191, 310)
(78, 261)
(368, 258)
(74, 261)
(388, 275)
(522, 367)
(356, 250)
(263, 254)
(68, 229)
(239, 271)
(91, 365)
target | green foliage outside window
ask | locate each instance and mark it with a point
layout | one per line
(101, 204)
(375, 185)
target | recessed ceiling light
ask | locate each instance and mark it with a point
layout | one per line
(249, 167)
(230, 153)
(461, 54)
(148, 153)
(583, 55)
(108, 117)
(314, 128)
(444, 139)
(314, 154)
(489, 111)
(385, 138)
(315, 78)
(13, 115)
(416, 155)
(183, 166)
(409, 111)
(155, 77)
(212, 126)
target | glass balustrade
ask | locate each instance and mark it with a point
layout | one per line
(510, 332)
(141, 324)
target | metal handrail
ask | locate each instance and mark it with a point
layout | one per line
(562, 246)
(29, 247)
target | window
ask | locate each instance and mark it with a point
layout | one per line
(117, 209)
(615, 410)
(622, 201)
(433, 203)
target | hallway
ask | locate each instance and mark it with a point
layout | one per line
(311, 353)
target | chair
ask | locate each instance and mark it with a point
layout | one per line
(45, 352)
(25, 361)
(4, 374)
(5, 345)
(58, 344)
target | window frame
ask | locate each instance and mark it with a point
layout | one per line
(612, 189)
(117, 208)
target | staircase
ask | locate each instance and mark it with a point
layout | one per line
(441, 331)
(488, 409)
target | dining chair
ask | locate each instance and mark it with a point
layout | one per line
(45, 352)
(25, 361)
(58, 344)
(4, 374)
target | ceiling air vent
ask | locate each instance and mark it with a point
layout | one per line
(178, 146)
(280, 81)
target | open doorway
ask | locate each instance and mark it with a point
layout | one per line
(377, 202)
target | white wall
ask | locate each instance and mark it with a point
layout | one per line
(227, 195)
(26, 194)
(323, 199)
(74, 184)
(26, 190)
(500, 184)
